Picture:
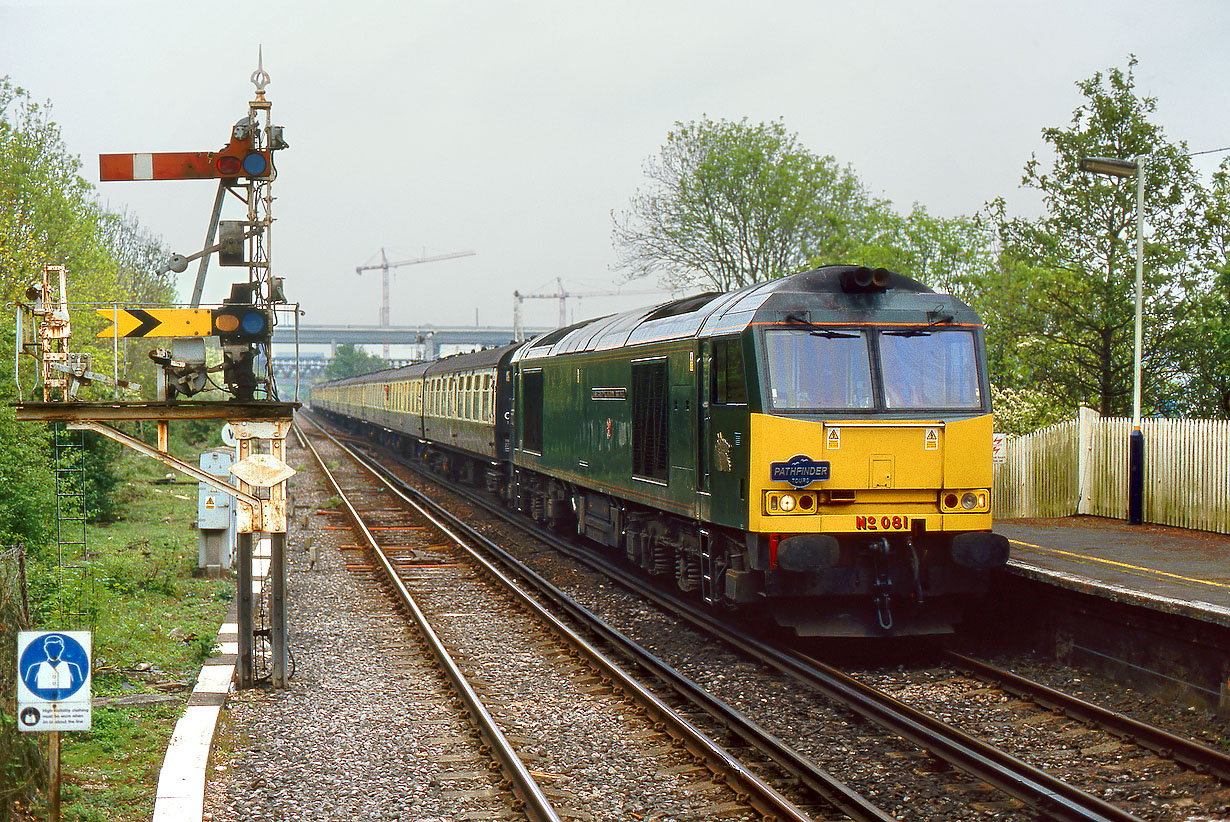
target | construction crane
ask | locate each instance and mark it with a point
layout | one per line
(562, 295)
(384, 265)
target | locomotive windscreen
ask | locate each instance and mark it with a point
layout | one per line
(831, 370)
(930, 370)
(821, 369)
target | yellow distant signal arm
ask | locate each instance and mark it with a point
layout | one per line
(157, 322)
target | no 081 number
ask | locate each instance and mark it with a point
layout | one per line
(884, 523)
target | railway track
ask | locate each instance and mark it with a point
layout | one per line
(448, 591)
(1200, 758)
(1034, 788)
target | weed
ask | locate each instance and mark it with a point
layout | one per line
(108, 728)
(204, 647)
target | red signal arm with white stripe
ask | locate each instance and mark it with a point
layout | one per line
(166, 165)
(171, 165)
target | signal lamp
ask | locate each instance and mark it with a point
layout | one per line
(248, 164)
(255, 164)
(241, 324)
(228, 166)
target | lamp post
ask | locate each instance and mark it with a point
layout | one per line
(1136, 445)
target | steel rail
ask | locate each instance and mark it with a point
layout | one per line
(536, 805)
(1186, 751)
(750, 788)
(1031, 785)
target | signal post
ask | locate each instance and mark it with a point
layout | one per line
(243, 325)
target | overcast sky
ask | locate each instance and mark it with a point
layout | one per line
(513, 129)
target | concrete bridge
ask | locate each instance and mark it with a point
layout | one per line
(431, 337)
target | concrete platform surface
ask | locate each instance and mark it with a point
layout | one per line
(1171, 569)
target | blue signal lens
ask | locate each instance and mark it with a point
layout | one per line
(253, 322)
(255, 164)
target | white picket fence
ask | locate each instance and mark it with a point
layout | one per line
(1080, 467)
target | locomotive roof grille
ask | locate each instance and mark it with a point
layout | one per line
(687, 305)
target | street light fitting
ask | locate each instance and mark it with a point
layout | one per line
(1109, 165)
(1136, 441)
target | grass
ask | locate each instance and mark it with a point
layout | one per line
(155, 622)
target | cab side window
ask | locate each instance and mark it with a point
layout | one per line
(729, 383)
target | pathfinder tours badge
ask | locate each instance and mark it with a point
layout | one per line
(800, 471)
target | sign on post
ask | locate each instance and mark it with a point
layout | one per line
(53, 681)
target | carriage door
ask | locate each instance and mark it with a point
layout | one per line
(704, 447)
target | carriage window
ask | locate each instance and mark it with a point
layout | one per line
(930, 369)
(822, 369)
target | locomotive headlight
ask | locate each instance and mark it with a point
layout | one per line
(796, 503)
(955, 502)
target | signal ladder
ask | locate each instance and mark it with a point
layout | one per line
(73, 557)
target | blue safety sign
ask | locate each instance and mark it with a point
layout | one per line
(53, 680)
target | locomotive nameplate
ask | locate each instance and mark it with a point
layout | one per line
(800, 471)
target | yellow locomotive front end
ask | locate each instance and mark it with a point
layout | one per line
(884, 477)
(869, 463)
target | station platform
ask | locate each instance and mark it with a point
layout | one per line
(1167, 569)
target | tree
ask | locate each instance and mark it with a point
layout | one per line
(1064, 294)
(351, 361)
(27, 506)
(1203, 332)
(731, 204)
(49, 214)
(950, 254)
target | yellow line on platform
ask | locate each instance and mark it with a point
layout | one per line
(1143, 571)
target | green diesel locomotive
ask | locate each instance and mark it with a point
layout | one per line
(817, 447)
